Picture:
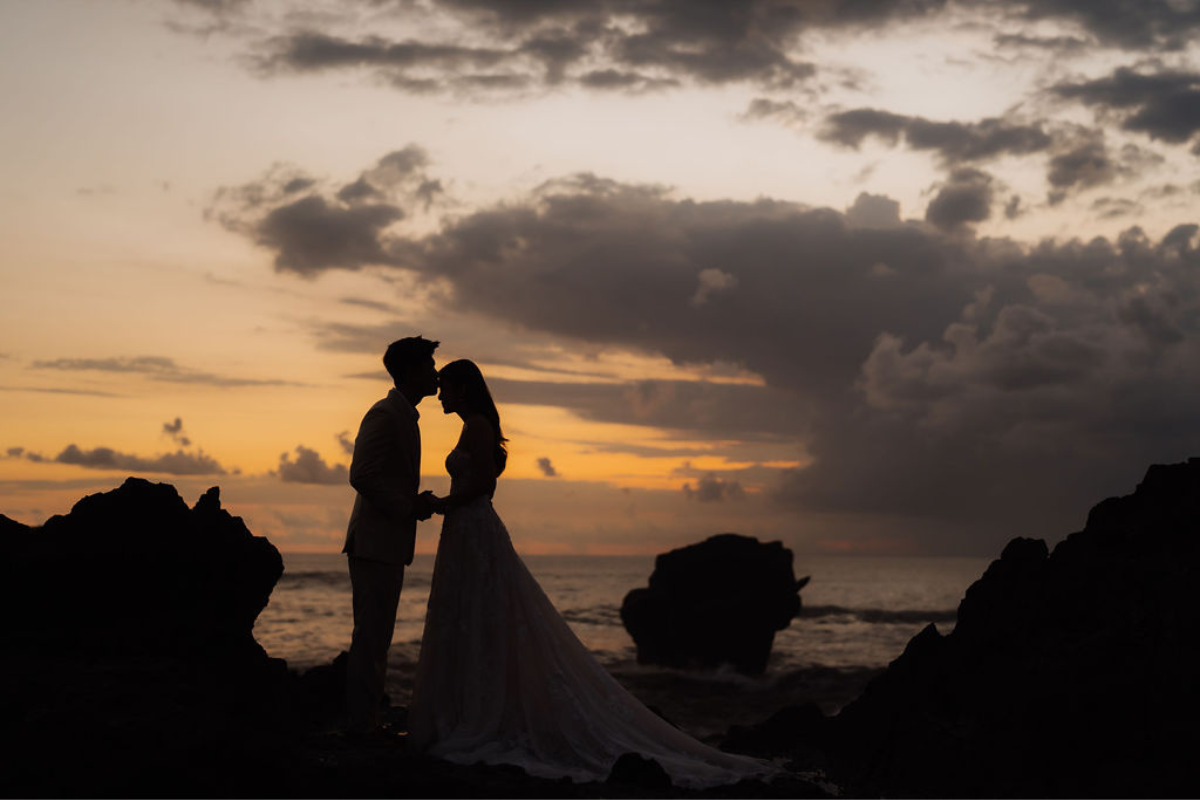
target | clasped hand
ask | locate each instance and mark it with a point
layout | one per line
(427, 505)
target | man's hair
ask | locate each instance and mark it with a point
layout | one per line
(404, 353)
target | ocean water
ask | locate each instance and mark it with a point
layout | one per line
(858, 613)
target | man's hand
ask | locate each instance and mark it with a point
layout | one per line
(424, 506)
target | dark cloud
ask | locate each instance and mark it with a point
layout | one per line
(1114, 207)
(965, 197)
(1131, 24)
(309, 467)
(177, 463)
(692, 407)
(157, 368)
(1060, 45)
(1083, 165)
(547, 468)
(786, 112)
(497, 45)
(345, 442)
(923, 375)
(175, 431)
(56, 390)
(311, 235)
(953, 142)
(309, 51)
(28, 455)
(874, 211)
(603, 44)
(374, 305)
(348, 229)
(1164, 104)
(711, 489)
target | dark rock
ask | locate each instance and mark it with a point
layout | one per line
(134, 571)
(785, 733)
(636, 770)
(717, 602)
(1069, 673)
(130, 670)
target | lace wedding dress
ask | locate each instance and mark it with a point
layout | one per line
(502, 679)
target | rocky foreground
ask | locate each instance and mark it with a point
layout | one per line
(130, 669)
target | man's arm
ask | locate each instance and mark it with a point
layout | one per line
(378, 465)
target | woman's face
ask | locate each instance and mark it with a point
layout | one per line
(451, 397)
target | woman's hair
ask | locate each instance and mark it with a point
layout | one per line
(477, 399)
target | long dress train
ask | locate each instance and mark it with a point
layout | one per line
(502, 679)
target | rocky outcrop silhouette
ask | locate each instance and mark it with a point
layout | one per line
(716, 602)
(1069, 673)
(128, 645)
(130, 669)
(135, 571)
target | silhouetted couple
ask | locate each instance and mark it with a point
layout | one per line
(501, 677)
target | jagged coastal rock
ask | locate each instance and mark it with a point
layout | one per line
(1070, 673)
(135, 571)
(716, 602)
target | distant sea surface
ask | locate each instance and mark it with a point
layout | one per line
(858, 614)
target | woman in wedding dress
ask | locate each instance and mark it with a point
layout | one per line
(501, 677)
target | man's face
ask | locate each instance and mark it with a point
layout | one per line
(425, 378)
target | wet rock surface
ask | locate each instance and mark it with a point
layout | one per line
(717, 602)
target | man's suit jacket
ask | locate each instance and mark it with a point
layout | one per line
(386, 473)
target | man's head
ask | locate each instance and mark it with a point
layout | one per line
(410, 363)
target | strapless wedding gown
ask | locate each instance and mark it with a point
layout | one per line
(502, 679)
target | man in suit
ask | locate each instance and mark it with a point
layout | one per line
(385, 472)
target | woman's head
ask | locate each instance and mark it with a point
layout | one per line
(464, 391)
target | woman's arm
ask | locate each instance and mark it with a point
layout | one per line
(479, 441)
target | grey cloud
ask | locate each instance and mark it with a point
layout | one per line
(346, 443)
(547, 468)
(177, 463)
(1138, 25)
(711, 489)
(965, 197)
(608, 44)
(309, 467)
(954, 142)
(310, 51)
(56, 390)
(786, 112)
(1152, 319)
(1163, 104)
(978, 380)
(1013, 208)
(374, 305)
(1086, 164)
(28, 455)
(1061, 45)
(623, 80)
(313, 232)
(157, 368)
(311, 235)
(175, 431)
(749, 412)
(874, 211)
(1114, 207)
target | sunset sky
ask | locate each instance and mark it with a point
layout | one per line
(907, 277)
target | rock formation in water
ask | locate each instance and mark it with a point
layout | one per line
(1068, 674)
(717, 602)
